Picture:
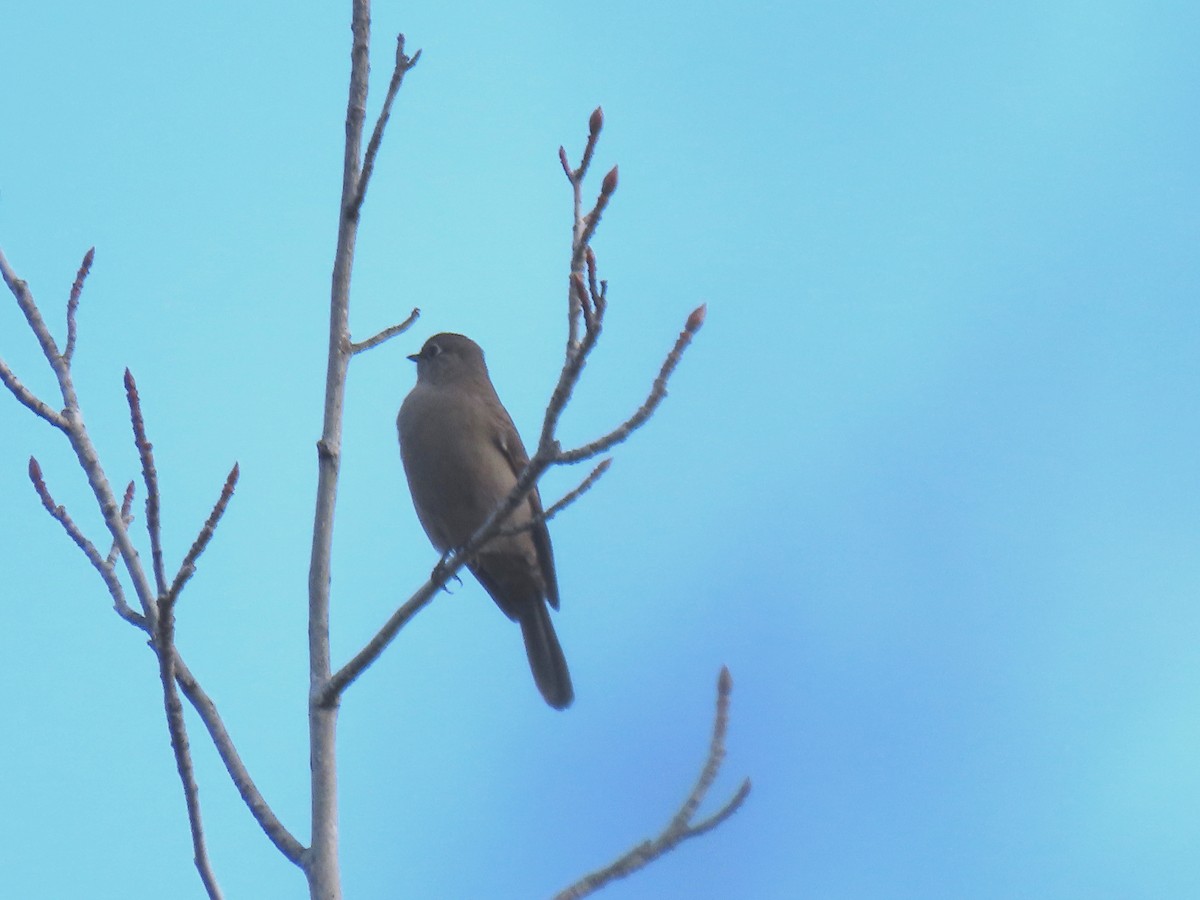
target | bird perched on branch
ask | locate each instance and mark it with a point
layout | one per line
(462, 456)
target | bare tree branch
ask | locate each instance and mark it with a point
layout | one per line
(150, 476)
(578, 244)
(275, 830)
(28, 399)
(658, 391)
(681, 827)
(60, 514)
(73, 303)
(387, 334)
(347, 674)
(582, 488)
(320, 862)
(592, 220)
(20, 290)
(117, 517)
(403, 64)
(126, 517)
(442, 573)
(188, 567)
(164, 646)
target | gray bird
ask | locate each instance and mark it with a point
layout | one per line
(462, 456)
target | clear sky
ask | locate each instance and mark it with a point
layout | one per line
(927, 481)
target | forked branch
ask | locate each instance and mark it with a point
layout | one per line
(157, 616)
(682, 825)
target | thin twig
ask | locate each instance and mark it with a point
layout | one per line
(20, 290)
(150, 476)
(73, 303)
(681, 827)
(578, 243)
(387, 334)
(29, 400)
(188, 567)
(583, 487)
(592, 220)
(597, 290)
(126, 517)
(583, 301)
(657, 392)
(403, 64)
(60, 515)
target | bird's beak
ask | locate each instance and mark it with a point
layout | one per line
(414, 356)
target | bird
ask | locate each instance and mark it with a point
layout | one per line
(462, 456)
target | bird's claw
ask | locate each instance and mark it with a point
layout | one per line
(439, 571)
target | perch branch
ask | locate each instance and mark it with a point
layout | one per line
(583, 487)
(347, 674)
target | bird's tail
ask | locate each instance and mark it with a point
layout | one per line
(546, 657)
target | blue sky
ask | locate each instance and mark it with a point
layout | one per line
(926, 482)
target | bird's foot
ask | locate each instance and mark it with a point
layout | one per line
(439, 571)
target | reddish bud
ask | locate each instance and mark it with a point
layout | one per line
(562, 158)
(610, 182)
(696, 319)
(724, 681)
(596, 121)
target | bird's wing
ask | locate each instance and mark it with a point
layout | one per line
(509, 442)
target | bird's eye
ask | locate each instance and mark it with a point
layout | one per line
(433, 350)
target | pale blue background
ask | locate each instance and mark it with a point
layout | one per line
(927, 482)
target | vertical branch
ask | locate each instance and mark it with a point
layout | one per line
(321, 861)
(324, 880)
